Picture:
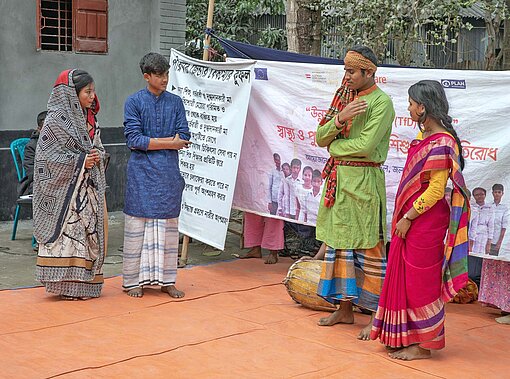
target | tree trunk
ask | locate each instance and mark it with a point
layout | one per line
(490, 53)
(494, 51)
(506, 42)
(303, 26)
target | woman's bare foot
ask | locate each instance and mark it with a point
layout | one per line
(135, 292)
(172, 291)
(255, 252)
(364, 334)
(390, 349)
(272, 258)
(68, 298)
(343, 315)
(411, 353)
(503, 320)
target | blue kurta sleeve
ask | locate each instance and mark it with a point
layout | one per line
(135, 139)
(181, 123)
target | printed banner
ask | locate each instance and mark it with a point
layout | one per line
(279, 166)
(215, 96)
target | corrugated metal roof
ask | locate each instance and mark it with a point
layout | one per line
(474, 11)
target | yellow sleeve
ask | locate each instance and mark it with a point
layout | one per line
(433, 193)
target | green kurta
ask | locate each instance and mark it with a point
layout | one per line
(358, 216)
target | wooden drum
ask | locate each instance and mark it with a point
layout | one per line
(301, 282)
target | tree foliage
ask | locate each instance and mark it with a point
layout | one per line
(233, 19)
(400, 31)
(404, 23)
(404, 29)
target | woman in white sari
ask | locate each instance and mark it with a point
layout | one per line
(69, 191)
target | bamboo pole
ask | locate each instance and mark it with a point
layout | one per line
(207, 39)
(205, 57)
(184, 251)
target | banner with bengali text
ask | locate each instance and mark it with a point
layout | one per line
(289, 99)
(215, 96)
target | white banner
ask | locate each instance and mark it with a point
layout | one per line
(215, 96)
(289, 99)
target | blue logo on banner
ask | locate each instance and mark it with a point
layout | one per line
(260, 73)
(453, 83)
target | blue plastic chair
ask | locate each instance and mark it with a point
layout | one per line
(18, 153)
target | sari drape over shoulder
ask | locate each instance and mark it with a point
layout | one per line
(428, 267)
(69, 201)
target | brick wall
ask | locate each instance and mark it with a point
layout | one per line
(172, 25)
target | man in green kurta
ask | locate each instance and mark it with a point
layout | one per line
(352, 213)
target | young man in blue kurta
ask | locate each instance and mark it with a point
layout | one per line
(155, 127)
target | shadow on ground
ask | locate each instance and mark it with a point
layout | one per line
(18, 259)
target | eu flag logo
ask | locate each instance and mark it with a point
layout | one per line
(260, 73)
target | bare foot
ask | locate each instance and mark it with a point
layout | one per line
(390, 349)
(411, 353)
(135, 292)
(364, 334)
(341, 316)
(255, 252)
(172, 291)
(68, 298)
(322, 251)
(272, 258)
(503, 320)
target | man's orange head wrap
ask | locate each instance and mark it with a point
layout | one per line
(356, 60)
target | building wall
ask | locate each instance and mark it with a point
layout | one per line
(172, 26)
(135, 27)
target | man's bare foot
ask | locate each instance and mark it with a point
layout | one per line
(255, 252)
(172, 291)
(503, 320)
(135, 292)
(322, 251)
(343, 315)
(411, 353)
(272, 258)
(364, 334)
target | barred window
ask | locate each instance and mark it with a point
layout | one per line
(73, 25)
(56, 30)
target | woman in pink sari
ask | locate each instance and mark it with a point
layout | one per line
(423, 272)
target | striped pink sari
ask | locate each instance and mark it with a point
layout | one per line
(422, 272)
